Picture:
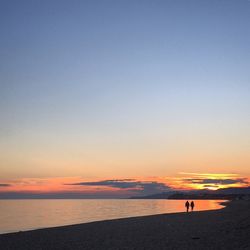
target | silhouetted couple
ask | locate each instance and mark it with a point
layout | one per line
(187, 205)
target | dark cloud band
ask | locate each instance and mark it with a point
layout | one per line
(143, 187)
(217, 181)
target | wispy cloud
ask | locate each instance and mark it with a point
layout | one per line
(216, 181)
(210, 186)
(121, 183)
(208, 174)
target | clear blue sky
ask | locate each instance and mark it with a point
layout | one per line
(86, 81)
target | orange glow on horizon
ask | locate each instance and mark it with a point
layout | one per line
(183, 181)
(211, 181)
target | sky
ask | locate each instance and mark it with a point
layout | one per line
(116, 98)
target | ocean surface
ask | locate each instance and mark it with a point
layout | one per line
(21, 215)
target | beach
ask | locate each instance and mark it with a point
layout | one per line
(227, 228)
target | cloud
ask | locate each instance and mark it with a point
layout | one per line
(4, 185)
(141, 187)
(216, 181)
(123, 183)
(210, 186)
(209, 174)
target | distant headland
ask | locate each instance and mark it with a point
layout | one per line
(241, 193)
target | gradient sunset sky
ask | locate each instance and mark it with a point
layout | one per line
(116, 98)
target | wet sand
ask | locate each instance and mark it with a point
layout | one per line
(227, 228)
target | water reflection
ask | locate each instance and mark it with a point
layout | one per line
(17, 215)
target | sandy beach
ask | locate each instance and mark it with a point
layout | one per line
(227, 228)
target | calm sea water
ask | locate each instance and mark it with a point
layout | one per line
(19, 215)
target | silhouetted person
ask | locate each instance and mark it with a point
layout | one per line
(192, 205)
(187, 205)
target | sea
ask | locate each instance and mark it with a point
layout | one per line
(23, 215)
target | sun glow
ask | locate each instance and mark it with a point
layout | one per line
(210, 181)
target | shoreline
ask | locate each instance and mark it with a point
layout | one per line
(221, 203)
(224, 228)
